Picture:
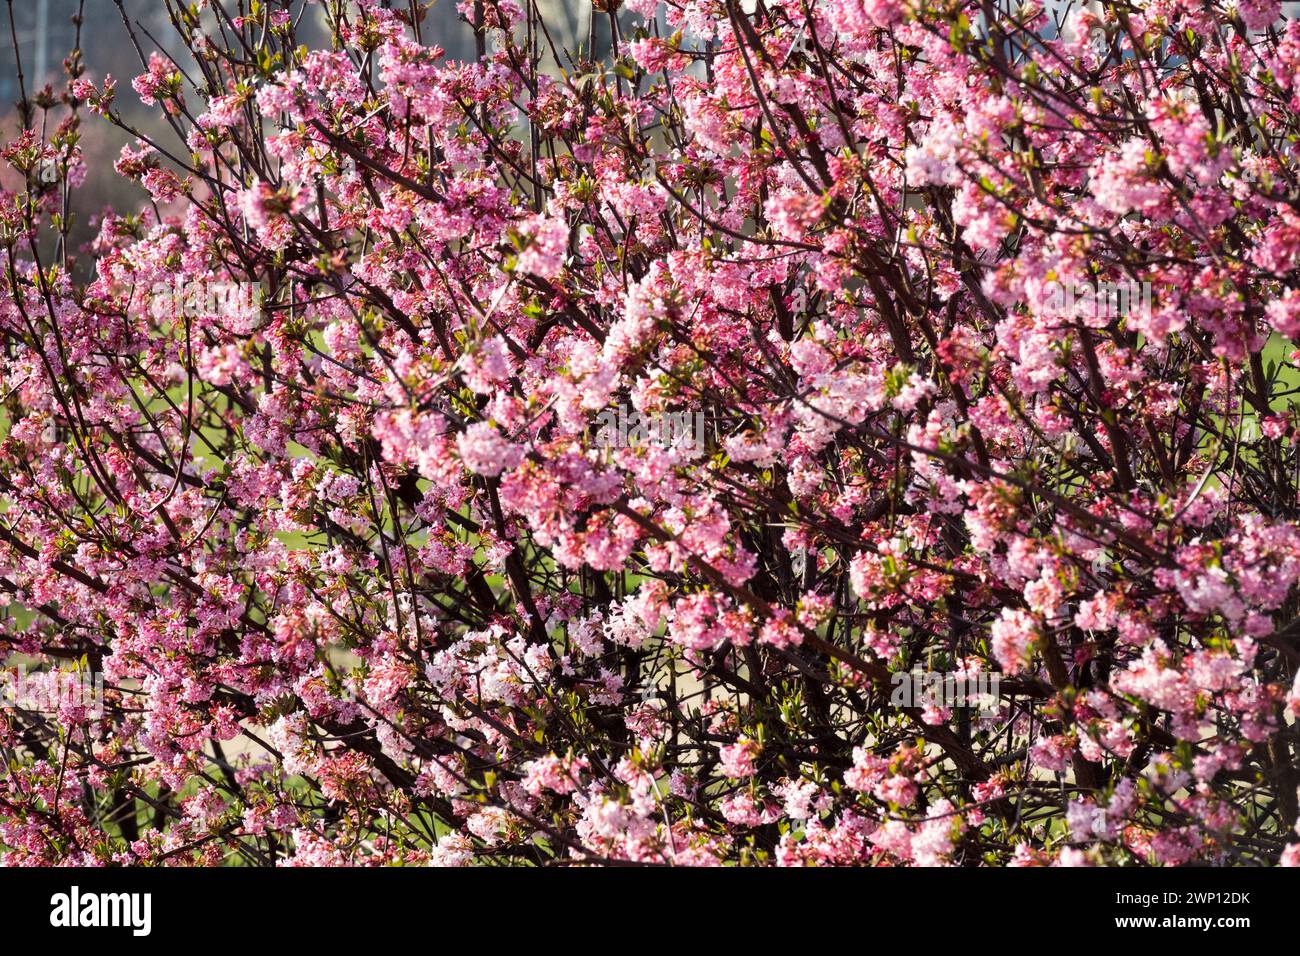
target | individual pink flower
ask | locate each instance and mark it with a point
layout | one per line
(485, 451)
(1013, 637)
(545, 241)
(737, 760)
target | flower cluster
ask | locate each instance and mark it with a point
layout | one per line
(365, 585)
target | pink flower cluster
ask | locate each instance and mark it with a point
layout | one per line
(369, 582)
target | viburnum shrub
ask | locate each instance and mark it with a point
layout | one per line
(573, 458)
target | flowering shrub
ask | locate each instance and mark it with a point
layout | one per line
(366, 586)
